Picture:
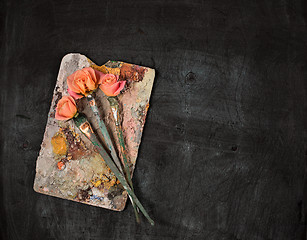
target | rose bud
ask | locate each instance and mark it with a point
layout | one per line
(110, 85)
(83, 82)
(66, 108)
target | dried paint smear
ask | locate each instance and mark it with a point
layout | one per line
(67, 166)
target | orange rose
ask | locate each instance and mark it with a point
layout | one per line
(66, 108)
(110, 86)
(83, 82)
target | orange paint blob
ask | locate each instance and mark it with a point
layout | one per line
(61, 165)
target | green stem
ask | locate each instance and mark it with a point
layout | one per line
(85, 127)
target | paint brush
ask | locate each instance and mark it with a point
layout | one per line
(84, 126)
(111, 147)
(104, 131)
(115, 110)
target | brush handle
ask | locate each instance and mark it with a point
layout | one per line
(115, 110)
(104, 131)
(85, 127)
(110, 146)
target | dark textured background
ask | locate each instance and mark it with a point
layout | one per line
(224, 146)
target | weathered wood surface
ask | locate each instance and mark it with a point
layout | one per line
(224, 146)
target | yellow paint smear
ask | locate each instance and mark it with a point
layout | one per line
(59, 145)
(105, 181)
(104, 69)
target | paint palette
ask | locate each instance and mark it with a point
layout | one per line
(67, 165)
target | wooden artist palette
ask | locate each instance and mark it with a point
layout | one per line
(67, 166)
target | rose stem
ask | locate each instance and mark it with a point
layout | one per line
(85, 127)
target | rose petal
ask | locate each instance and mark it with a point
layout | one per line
(58, 117)
(66, 108)
(111, 77)
(90, 80)
(109, 90)
(91, 71)
(114, 89)
(121, 87)
(79, 82)
(83, 81)
(70, 80)
(74, 95)
(90, 84)
(72, 107)
(99, 76)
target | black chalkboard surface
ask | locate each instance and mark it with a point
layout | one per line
(223, 151)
